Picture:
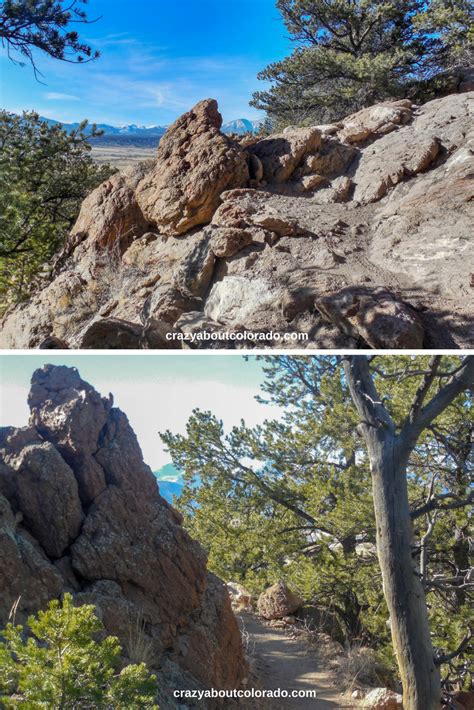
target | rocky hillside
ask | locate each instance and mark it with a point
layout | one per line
(81, 512)
(357, 234)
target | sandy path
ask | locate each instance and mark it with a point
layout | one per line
(281, 662)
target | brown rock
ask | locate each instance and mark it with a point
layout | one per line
(130, 557)
(27, 578)
(282, 153)
(378, 318)
(227, 241)
(309, 182)
(110, 216)
(278, 601)
(332, 159)
(396, 157)
(425, 230)
(46, 494)
(274, 222)
(195, 163)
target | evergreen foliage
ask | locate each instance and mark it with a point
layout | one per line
(352, 53)
(45, 173)
(292, 499)
(65, 662)
(26, 25)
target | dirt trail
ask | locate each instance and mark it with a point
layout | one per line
(281, 662)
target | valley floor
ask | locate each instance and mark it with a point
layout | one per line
(121, 156)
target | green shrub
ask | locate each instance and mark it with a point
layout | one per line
(66, 663)
(45, 173)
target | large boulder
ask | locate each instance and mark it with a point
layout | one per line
(27, 578)
(425, 229)
(110, 216)
(121, 548)
(45, 490)
(396, 157)
(278, 601)
(195, 163)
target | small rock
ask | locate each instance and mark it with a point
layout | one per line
(227, 241)
(275, 223)
(282, 153)
(375, 121)
(383, 699)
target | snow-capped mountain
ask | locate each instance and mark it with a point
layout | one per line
(131, 129)
(239, 126)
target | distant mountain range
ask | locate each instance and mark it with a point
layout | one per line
(148, 135)
(170, 481)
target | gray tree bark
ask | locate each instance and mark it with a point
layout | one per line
(389, 451)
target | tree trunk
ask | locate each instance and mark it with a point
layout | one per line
(388, 455)
(403, 590)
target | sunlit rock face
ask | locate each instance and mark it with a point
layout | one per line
(275, 234)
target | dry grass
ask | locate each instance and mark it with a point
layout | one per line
(359, 667)
(139, 644)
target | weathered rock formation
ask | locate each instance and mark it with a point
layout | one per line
(355, 234)
(81, 512)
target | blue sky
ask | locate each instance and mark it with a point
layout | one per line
(157, 392)
(158, 59)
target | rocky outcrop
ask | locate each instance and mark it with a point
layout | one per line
(278, 601)
(80, 511)
(195, 163)
(355, 234)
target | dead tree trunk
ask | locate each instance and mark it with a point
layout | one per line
(389, 453)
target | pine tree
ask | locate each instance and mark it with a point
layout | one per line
(44, 25)
(352, 53)
(45, 173)
(65, 662)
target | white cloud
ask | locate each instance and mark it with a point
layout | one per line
(57, 96)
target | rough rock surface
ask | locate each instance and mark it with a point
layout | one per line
(81, 512)
(377, 317)
(278, 601)
(382, 699)
(282, 153)
(195, 163)
(275, 236)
